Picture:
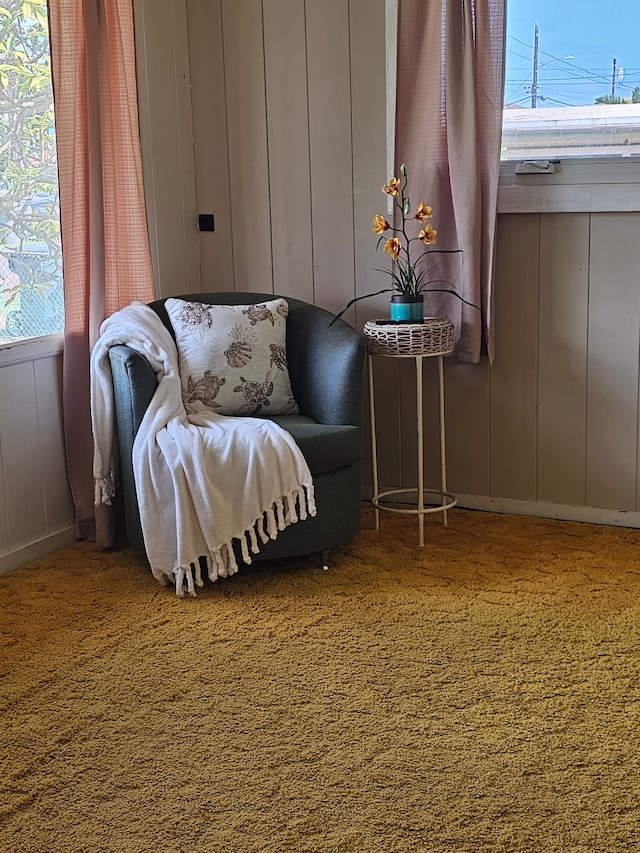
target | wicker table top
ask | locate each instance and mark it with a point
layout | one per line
(434, 336)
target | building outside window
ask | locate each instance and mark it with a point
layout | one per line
(31, 291)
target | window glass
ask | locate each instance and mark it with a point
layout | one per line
(31, 294)
(572, 85)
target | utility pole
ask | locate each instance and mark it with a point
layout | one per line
(534, 84)
(613, 81)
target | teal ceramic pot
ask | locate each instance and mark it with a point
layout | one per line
(407, 309)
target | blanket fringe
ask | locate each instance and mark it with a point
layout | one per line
(182, 575)
(221, 562)
(104, 489)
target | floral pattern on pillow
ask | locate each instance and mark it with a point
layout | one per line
(233, 357)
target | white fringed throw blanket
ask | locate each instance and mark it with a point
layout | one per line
(202, 480)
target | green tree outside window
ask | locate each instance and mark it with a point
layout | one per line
(31, 298)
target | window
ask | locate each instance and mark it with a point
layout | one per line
(31, 293)
(571, 106)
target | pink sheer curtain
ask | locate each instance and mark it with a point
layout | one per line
(105, 245)
(448, 130)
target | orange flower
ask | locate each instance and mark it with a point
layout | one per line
(411, 269)
(423, 212)
(392, 247)
(392, 187)
(380, 224)
(428, 235)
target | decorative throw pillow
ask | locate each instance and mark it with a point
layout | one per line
(233, 357)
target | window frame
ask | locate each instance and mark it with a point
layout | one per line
(579, 185)
(30, 349)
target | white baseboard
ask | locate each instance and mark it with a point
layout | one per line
(544, 509)
(35, 550)
(540, 509)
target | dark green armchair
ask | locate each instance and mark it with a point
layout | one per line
(326, 367)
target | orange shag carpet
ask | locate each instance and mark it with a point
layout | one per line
(479, 694)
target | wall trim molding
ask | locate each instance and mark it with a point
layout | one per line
(35, 550)
(544, 509)
(539, 509)
(32, 349)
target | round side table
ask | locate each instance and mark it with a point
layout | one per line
(432, 339)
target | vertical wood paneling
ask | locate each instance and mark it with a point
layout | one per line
(391, 24)
(166, 138)
(467, 405)
(21, 456)
(58, 505)
(184, 270)
(514, 373)
(4, 528)
(409, 423)
(288, 138)
(562, 366)
(248, 155)
(614, 322)
(211, 155)
(367, 47)
(328, 60)
(408, 417)
(367, 39)
(388, 420)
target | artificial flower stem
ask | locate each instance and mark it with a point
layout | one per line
(406, 277)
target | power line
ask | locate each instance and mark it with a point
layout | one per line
(558, 59)
(586, 77)
(555, 101)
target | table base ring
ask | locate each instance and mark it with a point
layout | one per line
(376, 500)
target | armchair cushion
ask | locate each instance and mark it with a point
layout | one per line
(326, 447)
(233, 357)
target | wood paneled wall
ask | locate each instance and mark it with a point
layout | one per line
(564, 388)
(289, 140)
(553, 426)
(166, 137)
(36, 511)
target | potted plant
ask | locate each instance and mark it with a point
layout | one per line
(410, 271)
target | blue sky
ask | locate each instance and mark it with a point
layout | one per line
(577, 43)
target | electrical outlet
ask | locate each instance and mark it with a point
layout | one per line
(205, 222)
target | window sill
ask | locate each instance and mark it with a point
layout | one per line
(14, 352)
(587, 185)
